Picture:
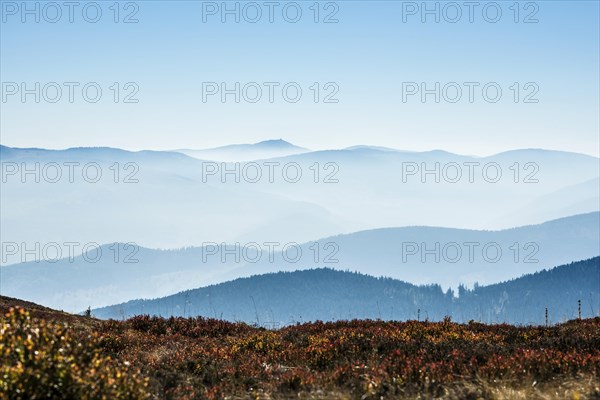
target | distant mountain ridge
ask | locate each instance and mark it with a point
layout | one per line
(323, 294)
(282, 144)
(168, 200)
(75, 285)
(246, 152)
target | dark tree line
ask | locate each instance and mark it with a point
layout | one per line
(283, 298)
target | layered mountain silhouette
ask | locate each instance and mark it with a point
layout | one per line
(123, 272)
(284, 298)
(246, 152)
(161, 199)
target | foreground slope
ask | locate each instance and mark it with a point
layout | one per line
(177, 358)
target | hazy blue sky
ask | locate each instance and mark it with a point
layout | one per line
(369, 53)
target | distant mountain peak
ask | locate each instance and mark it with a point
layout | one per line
(245, 152)
(271, 144)
(275, 143)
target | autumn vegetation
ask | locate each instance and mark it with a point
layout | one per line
(197, 358)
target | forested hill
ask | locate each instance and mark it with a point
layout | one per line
(525, 299)
(323, 294)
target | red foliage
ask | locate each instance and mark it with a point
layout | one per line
(203, 358)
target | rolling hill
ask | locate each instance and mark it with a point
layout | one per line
(123, 272)
(246, 152)
(322, 294)
(161, 199)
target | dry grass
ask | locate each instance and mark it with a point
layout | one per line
(198, 358)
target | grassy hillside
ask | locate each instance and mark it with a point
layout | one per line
(178, 358)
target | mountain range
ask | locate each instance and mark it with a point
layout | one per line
(125, 271)
(246, 152)
(169, 200)
(284, 298)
